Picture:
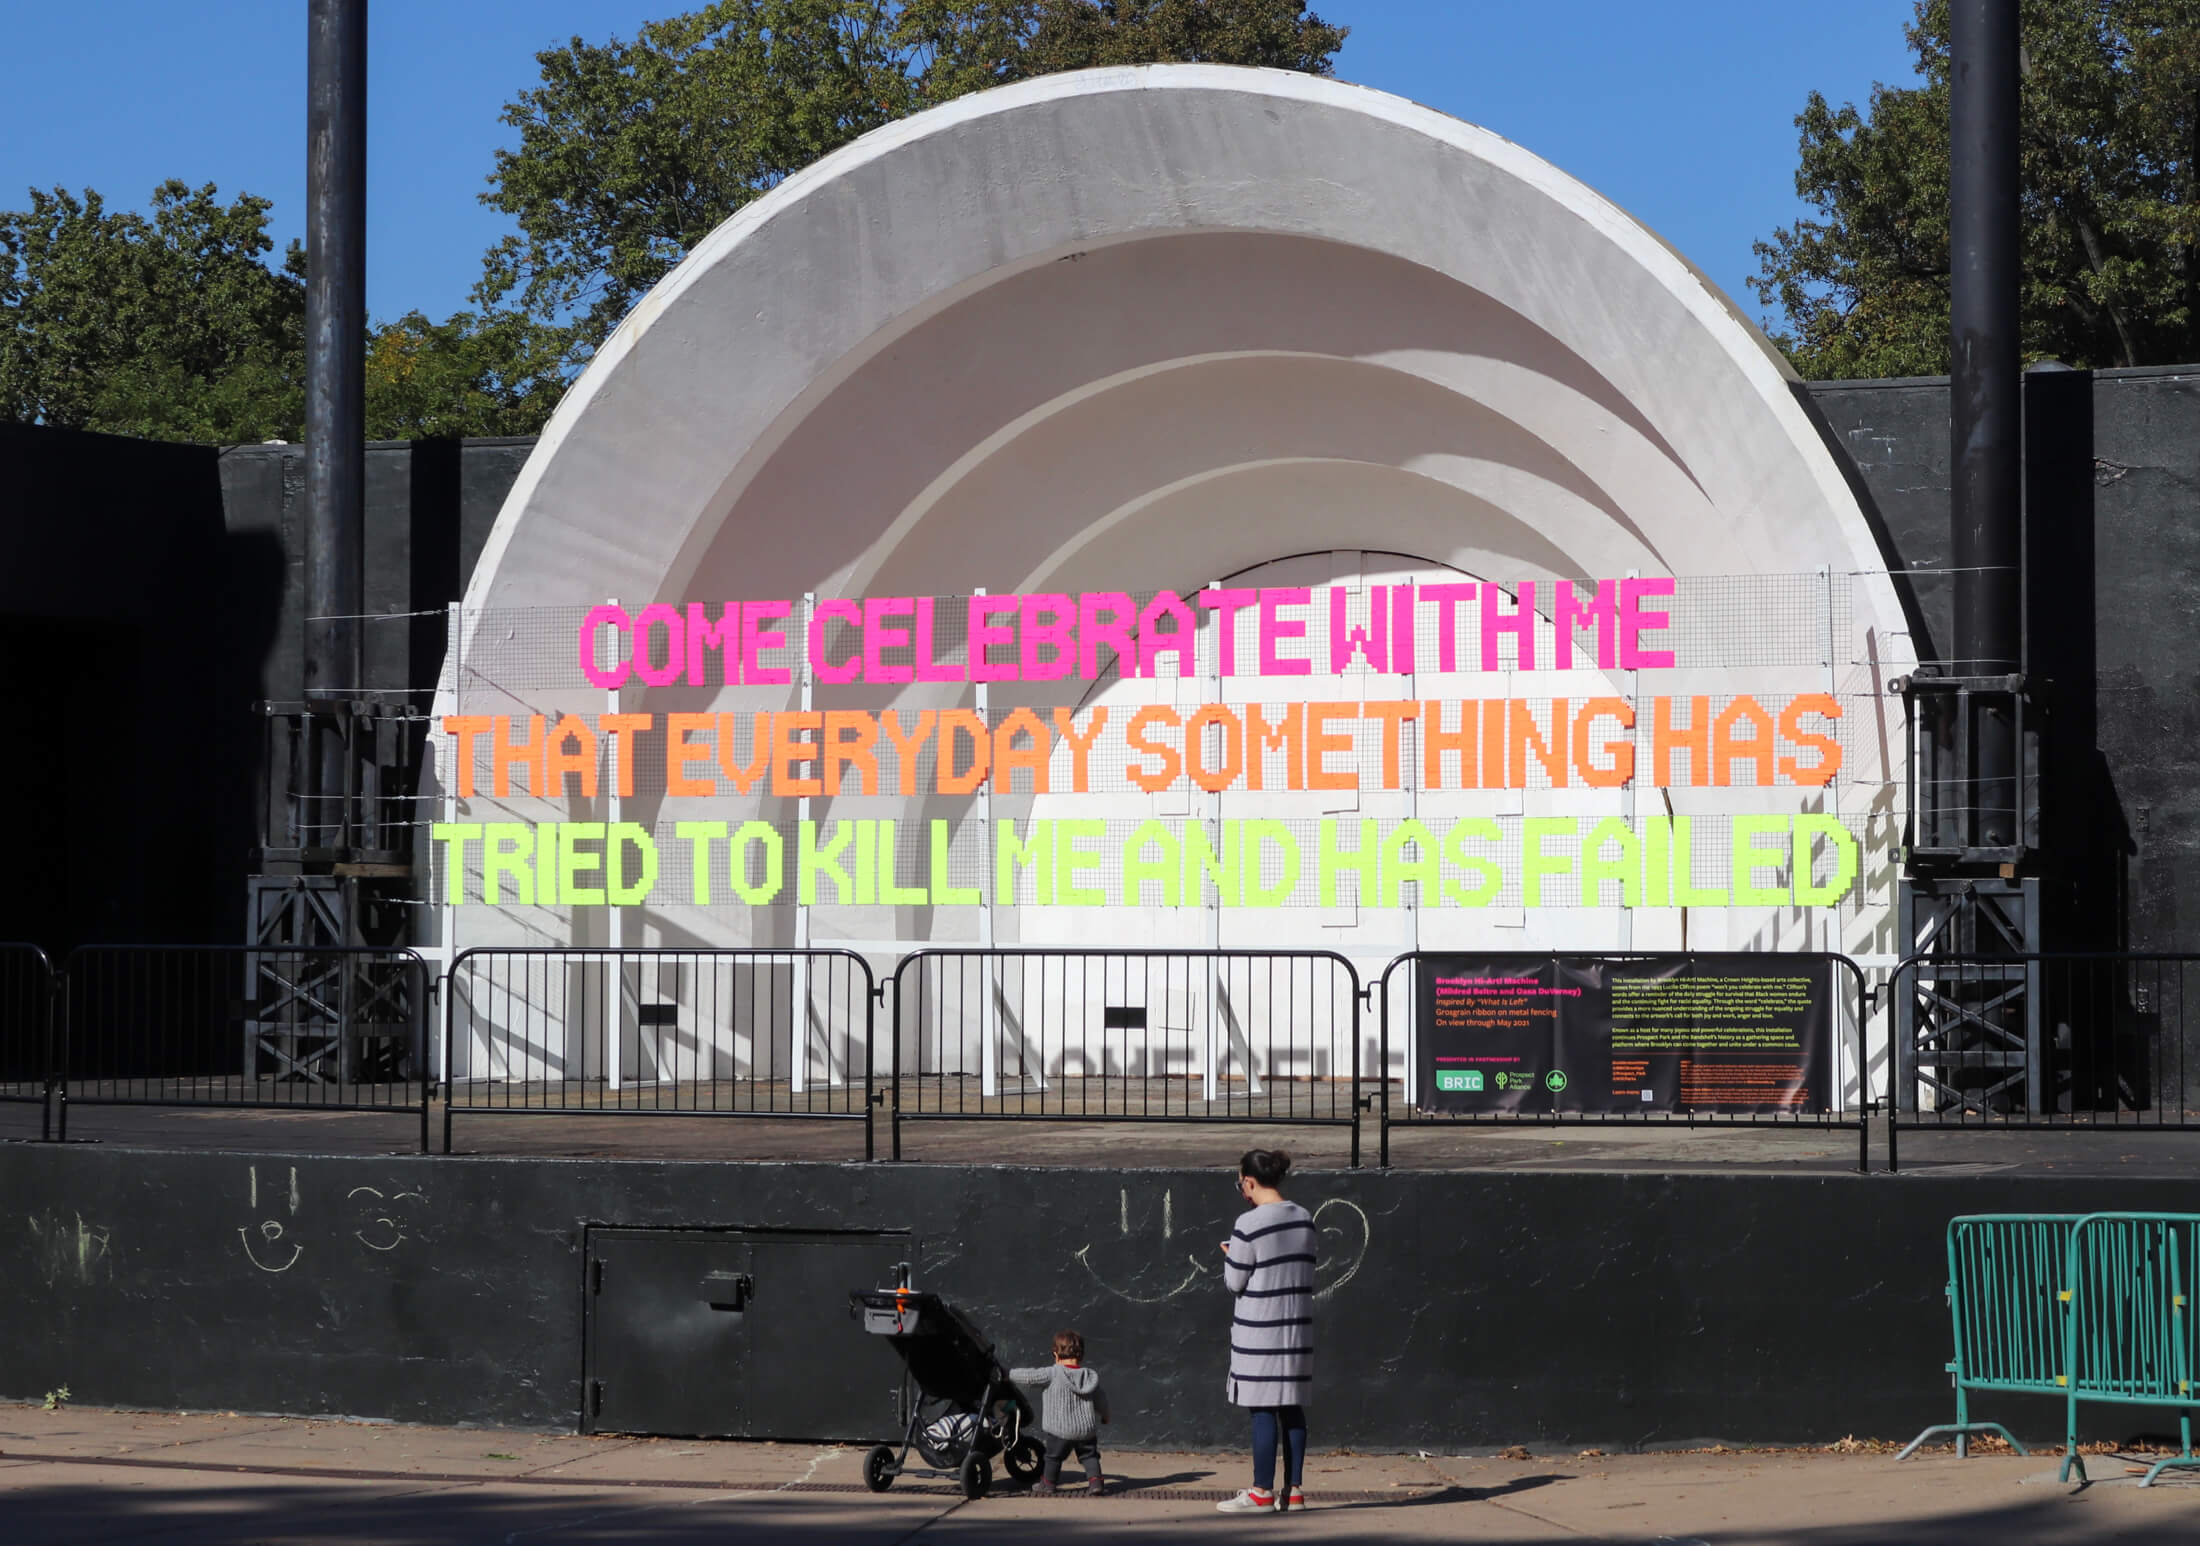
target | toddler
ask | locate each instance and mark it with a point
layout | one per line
(1070, 1410)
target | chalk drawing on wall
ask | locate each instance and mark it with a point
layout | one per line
(383, 1221)
(273, 1234)
(1149, 1264)
(1345, 1236)
(70, 1248)
(1146, 1263)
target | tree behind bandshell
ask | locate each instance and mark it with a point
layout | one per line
(630, 152)
(2110, 103)
(166, 325)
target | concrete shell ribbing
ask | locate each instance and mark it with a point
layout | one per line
(1146, 328)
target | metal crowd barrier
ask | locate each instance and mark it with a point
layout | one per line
(297, 1028)
(1224, 1036)
(26, 1031)
(2089, 1307)
(2070, 1041)
(2130, 1338)
(1848, 1101)
(2008, 1299)
(690, 1033)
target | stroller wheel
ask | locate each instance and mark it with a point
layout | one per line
(879, 1468)
(976, 1475)
(1024, 1459)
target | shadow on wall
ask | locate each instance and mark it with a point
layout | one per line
(2103, 716)
(132, 627)
(2083, 827)
(1916, 607)
(150, 594)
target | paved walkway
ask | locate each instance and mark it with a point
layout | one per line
(152, 1479)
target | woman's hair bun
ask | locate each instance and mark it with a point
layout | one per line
(1266, 1166)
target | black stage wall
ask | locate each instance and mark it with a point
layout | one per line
(1461, 1310)
(2112, 497)
(128, 618)
(136, 541)
(149, 595)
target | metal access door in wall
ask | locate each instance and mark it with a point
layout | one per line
(729, 1333)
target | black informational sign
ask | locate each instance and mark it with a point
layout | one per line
(1539, 1033)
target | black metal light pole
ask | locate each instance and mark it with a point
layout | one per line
(1986, 384)
(1967, 1031)
(336, 307)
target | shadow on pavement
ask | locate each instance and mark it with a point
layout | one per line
(1452, 1494)
(219, 1509)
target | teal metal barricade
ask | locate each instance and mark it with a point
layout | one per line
(2130, 1335)
(2008, 1299)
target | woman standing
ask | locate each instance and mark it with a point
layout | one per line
(1269, 1269)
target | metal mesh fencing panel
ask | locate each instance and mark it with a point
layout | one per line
(1460, 735)
(1127, 1036)
(304, 1028)
(695, 1033)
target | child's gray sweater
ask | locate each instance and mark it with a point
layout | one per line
(1073, 1404)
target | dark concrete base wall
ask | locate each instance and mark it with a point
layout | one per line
(1459, 1310)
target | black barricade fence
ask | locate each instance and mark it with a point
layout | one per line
(2048, 1040)
(26, 1023)
(1741, 1037)
(1127, 1035)
(214, 1025)
(670, 1032)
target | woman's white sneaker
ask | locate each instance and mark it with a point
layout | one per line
(1290, 1498)
(1248, 1502)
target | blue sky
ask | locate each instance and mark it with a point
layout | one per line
(1679, 110)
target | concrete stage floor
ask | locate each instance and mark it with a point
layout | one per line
(1637, 1146)
(157, 1479)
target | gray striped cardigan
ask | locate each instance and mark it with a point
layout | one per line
(1270, 1273)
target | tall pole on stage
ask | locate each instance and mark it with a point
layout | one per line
(1986, 418)
(1967, 1029)
(336, 325)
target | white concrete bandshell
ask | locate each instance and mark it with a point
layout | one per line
(1143, 328)
(778, 406)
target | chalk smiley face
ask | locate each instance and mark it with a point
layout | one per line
(1143, 1266)
(381, 1220)
(282, 1253)
(1146, 1266)
(268, 1245)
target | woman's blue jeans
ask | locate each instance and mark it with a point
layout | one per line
(1267, 1422)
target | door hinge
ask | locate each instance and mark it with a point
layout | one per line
(595, 1276)
(595, 1398)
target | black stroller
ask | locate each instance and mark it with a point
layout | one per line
(962, 1408)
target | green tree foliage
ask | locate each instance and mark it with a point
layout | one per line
(630, 152)
(1079, 34)
(172, 325)
(167, 325)
(495, 374)
(2111, 187)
